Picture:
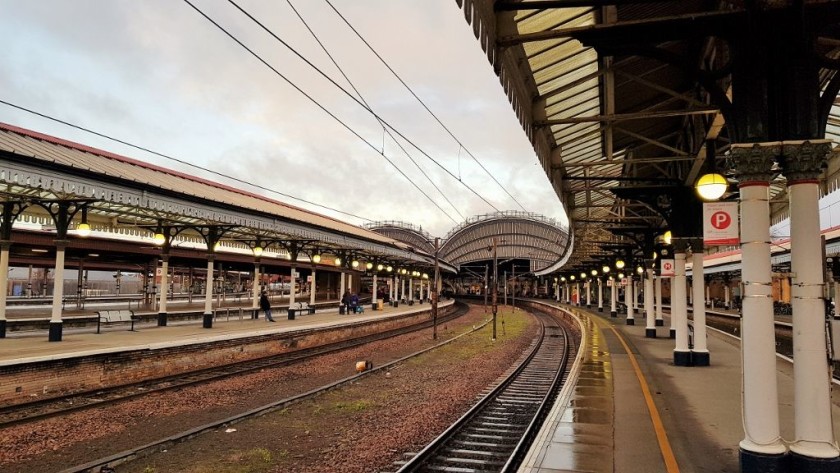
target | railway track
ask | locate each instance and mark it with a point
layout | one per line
(495, 434)
(95, 466)
(46, 408)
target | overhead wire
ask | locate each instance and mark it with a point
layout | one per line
(318, 104)
(460, 144)
(180, 161)
(346, 92)
(362, 98)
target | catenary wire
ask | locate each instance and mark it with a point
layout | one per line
(318, 104)
(362, 98)
(352, 97)
(385, 63)
(180, 161)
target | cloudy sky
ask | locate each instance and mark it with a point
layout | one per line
(157, 74)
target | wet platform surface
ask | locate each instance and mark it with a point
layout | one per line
(605, 424)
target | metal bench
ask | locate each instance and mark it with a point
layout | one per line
(115, 316)
(302, 307)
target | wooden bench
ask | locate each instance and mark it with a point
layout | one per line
(115, 316)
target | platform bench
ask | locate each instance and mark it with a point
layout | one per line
(303, 307)
(115, 316)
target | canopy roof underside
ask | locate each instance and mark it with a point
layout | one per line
(611, 131)
(516, 235)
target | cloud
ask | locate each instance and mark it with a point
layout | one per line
(157, 74)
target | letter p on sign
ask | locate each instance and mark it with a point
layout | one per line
(720, 225)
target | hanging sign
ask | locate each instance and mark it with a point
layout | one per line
(625, 281)
(720, 223)
(666, 268)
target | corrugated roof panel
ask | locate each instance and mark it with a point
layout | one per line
(108, 164)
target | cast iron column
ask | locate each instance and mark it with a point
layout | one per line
(679, 311)
(700, 352)
(164, 289)
(650, 323)
(802, 165)
(256, 289)
(628, 300)
(208, 292)
(4, 275)
(657, 290)
(762, 448)
(613, 297)
(600, 294)
(588, 288)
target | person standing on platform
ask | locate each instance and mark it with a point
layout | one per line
(345, 302)
(265, 305)
(354, 302)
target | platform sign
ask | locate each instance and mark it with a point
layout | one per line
(625, 281)
(720, 223)
(666, 268)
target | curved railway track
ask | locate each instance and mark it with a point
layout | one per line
(46, 408)
(143, 450)
(495, 434)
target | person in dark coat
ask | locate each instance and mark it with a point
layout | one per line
(345, 301)
(265, 305)
(354, 302)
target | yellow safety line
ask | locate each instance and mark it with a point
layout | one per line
(661, 436)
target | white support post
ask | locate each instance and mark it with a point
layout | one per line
(650, 323)
(628, 296)
(312, 288)
(812, 381)
(700, 352)
(208, 293)
(679, 311)
(657, 288)
(762, 442)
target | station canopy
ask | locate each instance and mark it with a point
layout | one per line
(618, 99)
(544, 242)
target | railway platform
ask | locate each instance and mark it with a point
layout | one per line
(32, 346)
(632, 410)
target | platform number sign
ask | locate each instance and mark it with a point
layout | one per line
(720, 223)
(666, 268)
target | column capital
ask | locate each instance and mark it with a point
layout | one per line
(754, 161)
(804, 160)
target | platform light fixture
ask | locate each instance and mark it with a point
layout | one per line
(369, 265)
(258, 251)
(389, 268)
(620, 275)
(83, 228)
(666, 237)
(572, 277)
(619, 264)
(354, 264)
(605, 269)
(583, 275)
(640, 269)
(159, 238)
(425, 275)
(594, 272)
(379, 267)
(338, 261)
(711, 186)
(563, 278)
(316, 258)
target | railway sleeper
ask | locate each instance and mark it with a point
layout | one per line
(475, 462)
(450, 469)
(492, 446)
(487, 437)
(514, 430)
